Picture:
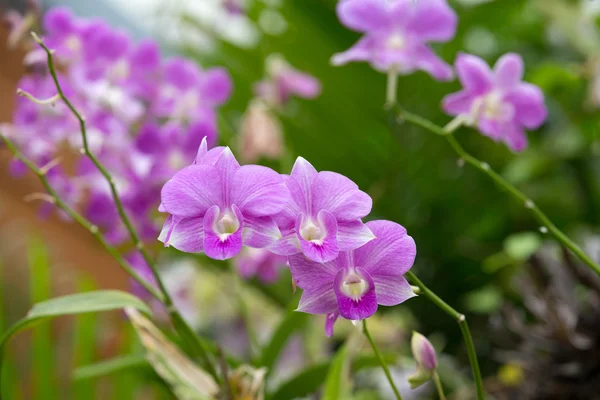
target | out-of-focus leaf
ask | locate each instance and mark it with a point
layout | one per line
(111, 366)
(521, 246)
(310, 379)
(527, 166)
(40, 283)
(485, 300)
(336, 383)
(187, 380)
(550, 75)
(292, 322)
(496, 262)
(80, 303)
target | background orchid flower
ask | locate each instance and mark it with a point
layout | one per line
(357, 281)
(284, 81)
(323, 215)
(397, 33)
(260, 263)
(216, 206)
(497, 101)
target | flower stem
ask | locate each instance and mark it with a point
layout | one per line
(392, 87)
(516, 193)
(185, 331)
(80, 219)
(464, 328)
(438, 386)
(381, 361)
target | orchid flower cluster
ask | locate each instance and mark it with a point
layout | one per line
(396, 40)
(345, 267)
(145, 118)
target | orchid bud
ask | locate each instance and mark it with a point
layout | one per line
(261, 134)
(426, 359)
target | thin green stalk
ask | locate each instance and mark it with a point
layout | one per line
(80, 219)
(391, 87)
(381, 361)
(516, 193)
(464, 328)
(180, 325)
(438, 386)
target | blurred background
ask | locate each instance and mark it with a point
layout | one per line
(533, 309)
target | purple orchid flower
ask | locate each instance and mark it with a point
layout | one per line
(498, 102)
(189, 94)
(284, 81)
(216, 206)
(323, 215)
(397, 33)
(357, 281)
(261, 263)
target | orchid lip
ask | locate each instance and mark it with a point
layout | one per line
(226, 225)
(395, 42)
(354, 285)
(312, 232)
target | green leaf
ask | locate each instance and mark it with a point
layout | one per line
(336, 386)
(79, 303)
(292, 321)
(521, 246)
(484, 300)
(40, 282)
(310, 379)
(187, 380)
(110, 366)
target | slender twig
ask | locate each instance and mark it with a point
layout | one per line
(54, 198)
(464, 328)
(179, 323)
(404, 115)
(438, 386)
(381, 361)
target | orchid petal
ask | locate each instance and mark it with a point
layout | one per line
(260, 232)
(363, 15)
(323, 249)
(353, 234)
(259, 191)
(192, 191)
(474, 74)
(508, 70)
(391, 254)
(340, 196)
(185, 234)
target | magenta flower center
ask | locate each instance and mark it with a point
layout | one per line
(226, 225)
(354, 285)
(312, 232)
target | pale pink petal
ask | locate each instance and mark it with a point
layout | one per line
(428, 61)
(432, 20)
(353, 234)
(192, 191)
(360, 51)
(392, 253)
(300, 183)
(363, 15)
(340, 196)
(185, 234)
(529, 106)
(260, 232)
(508, 70)
(458, 103)
(392, 290)
(259, 191)
(474, 74)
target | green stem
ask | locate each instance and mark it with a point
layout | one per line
(80, 219)
(464, 328)
(392, 87)
(186, 332)
(516, 193)
(438, 386)
(381, 361)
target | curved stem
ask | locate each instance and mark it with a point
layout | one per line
(516, 193)
(464, 328)
(438, 386)
(186, 332)
(80, 219)
(381, 361)
(391, 87)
